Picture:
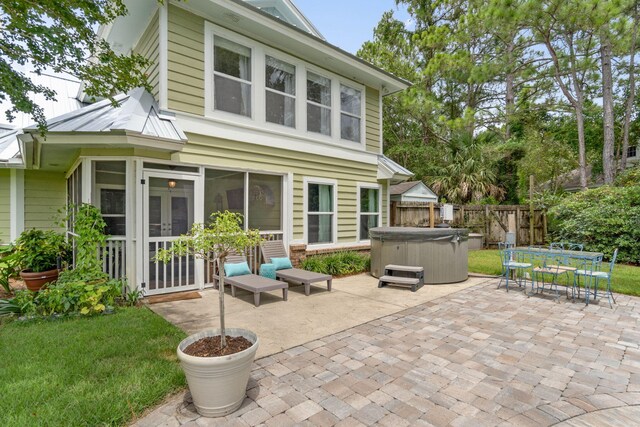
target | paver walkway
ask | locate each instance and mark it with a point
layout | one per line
(477, 357)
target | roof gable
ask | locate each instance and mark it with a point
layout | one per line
(286, 11)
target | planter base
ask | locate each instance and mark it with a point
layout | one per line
(35, 281)
(218, 385)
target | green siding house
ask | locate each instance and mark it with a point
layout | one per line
(251, 110)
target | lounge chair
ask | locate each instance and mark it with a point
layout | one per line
(253, 282)
(275, 249)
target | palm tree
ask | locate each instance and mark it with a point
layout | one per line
(467, 174)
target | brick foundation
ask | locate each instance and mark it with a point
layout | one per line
(299, 252)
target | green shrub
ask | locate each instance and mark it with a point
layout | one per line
(77, 297)
(629, 177)
(338, 264)
(602, 219)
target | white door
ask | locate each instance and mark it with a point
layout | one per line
(168, 213)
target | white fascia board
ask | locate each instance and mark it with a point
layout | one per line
(259, 136)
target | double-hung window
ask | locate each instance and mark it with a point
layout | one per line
(632, 151)
(280, 86)
(350, 113)
(320, 211)
(232, 77)
(318, 104)
(369, 211)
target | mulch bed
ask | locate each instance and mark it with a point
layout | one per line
(210, 346)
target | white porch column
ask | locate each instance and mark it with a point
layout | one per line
(16, 203)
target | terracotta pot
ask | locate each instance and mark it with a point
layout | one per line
(35, 281)
(218, 385)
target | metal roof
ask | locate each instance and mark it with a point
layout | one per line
(135, 113)
(10, 147)
(388, 169)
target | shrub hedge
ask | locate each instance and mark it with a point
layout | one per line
(602, 219)
(338, 264)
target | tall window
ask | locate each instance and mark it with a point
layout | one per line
(280, 86)
(369, 211)
(320, 211)
(232, 77)
(350, 113)
(632, 151)
(318, 104)
(109, 188)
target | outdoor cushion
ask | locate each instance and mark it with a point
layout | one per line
(236, 269)
(602, 274)
(281, 263)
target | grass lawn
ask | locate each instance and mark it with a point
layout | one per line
(626, 278)
(94, 371)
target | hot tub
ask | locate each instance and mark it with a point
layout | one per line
(441, 251)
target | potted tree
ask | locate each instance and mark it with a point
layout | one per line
(216, 362)
(39, 254)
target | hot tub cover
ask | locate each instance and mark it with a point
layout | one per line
(418, 234)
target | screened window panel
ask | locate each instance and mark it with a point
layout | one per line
(265, 202)
(318, 89)
(318, 119)
(320, 198)
(232, 59)
(320, 228)
(232, 96)
(281, 109)
(367, 222)
(223, 190)
(350, 128)
(350, 100)
(280, 76)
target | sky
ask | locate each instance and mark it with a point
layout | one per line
(348, 23)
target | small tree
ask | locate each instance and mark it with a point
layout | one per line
(213, 242)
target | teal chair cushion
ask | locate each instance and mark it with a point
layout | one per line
(268, 271)
(281, 263)
(236, 269)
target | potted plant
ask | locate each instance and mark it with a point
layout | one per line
(217, 365)
(38, 255)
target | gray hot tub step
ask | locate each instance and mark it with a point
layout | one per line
(412, 276)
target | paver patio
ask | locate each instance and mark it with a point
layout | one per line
(476, 357)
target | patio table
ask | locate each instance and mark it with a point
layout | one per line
(589, 260)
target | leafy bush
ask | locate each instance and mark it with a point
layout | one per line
(338, 264)
(77, 297)
(629, 177)
(38, 250)
(602, 219)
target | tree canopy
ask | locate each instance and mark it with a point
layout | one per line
(61, 36)
(518, 86)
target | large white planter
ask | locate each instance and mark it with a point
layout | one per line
(218, 384)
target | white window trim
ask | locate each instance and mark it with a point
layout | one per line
(361, 186)
(258, 90)
(334, 221)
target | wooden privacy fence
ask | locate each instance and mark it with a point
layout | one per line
(490, 220)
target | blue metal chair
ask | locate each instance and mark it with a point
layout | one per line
(557, 245)
(511, 260)
(595, 276)
(575, 247)
(551, 266)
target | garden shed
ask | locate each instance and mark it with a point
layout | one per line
(412, 191)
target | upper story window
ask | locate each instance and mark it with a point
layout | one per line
(270, 91)
(632, 151)
(280, 87)
(232, 77)
(350, 113)
(318, 104)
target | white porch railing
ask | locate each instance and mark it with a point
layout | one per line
(254, 258)
(114, 257)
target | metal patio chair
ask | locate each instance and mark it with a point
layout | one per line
(594, 277)
(512, 260)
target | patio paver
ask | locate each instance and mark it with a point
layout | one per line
(476, 357)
